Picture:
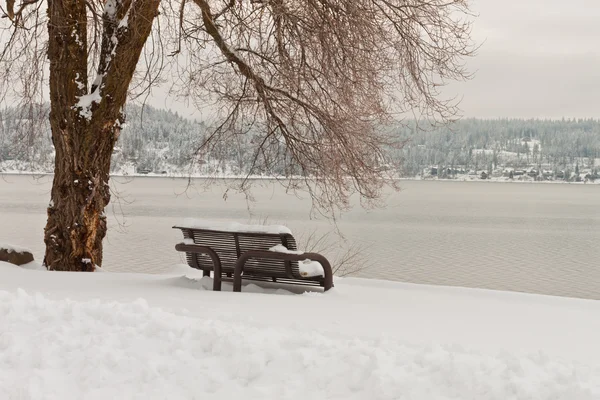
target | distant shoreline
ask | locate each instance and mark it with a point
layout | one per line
(257, 178)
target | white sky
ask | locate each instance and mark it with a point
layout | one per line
(539, 58)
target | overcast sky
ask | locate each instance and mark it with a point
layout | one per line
(539, 58)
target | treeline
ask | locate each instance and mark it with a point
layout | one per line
(478, 144)
(152, 139)
(25, 137)
(155, 140)
(162, 141)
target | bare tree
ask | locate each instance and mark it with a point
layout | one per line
(347, 258)
(315, 80)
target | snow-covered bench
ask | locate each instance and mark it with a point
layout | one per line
(256, 252)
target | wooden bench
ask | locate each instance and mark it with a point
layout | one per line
(249, 252)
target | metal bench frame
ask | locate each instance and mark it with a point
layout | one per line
(326, 282)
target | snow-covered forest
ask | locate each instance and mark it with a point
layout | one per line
(152, 140)
(162, 142)
(533, 148)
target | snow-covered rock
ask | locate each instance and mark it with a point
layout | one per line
(15, 254)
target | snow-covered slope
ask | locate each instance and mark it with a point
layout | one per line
(128, 336)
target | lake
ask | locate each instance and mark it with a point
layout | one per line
(536, 238)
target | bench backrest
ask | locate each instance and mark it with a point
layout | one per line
(230, 245)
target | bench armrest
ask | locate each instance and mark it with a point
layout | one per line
(197, 249)
(274, 255)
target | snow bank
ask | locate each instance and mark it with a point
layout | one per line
(196, 281)
(233, 226)
(33, 266)
(65, 349)
(137, 336)
(184, 269)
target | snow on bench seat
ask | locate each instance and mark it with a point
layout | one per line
(233, 227)
(307, 268)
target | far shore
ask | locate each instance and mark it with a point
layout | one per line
(464, 178)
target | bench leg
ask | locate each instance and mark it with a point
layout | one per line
(328, 278)
(237, 272)
(328, 274)
(217, 278)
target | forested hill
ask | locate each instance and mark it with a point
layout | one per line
(161, 141)
(152, 139)
(493, 145)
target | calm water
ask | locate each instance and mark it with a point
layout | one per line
(538, 238)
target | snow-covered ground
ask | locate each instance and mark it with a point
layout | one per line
(141, 336)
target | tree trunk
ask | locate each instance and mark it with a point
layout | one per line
(76, 222)
(86, 124)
